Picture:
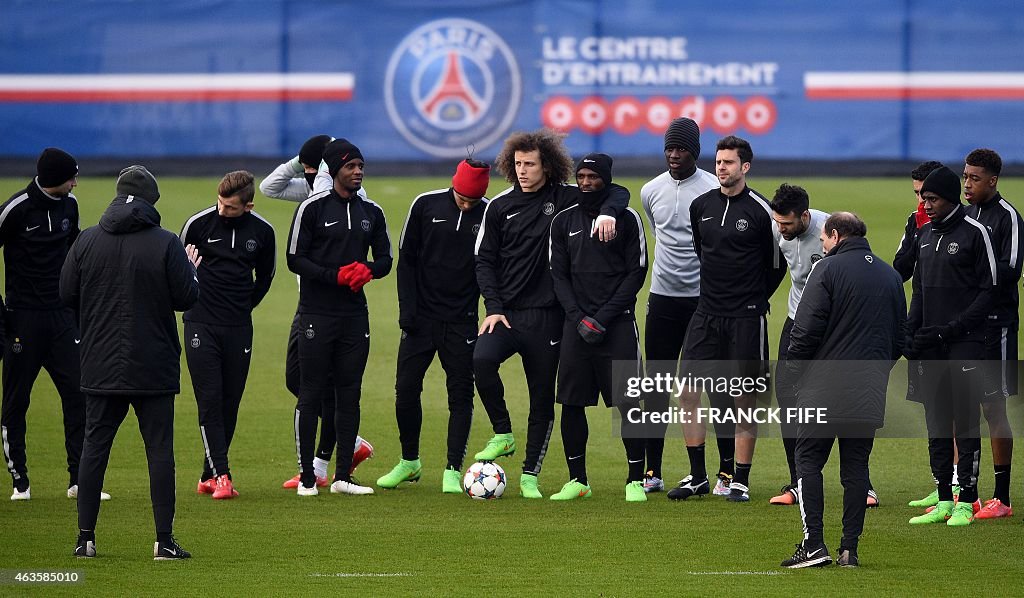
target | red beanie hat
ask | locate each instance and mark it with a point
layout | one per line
(471, 178)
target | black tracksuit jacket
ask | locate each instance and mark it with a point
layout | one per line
(1006, 229)
(233, 249)
(328, 232)
(436, 267)
(512, 247)
(740, 262)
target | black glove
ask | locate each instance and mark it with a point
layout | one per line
(908, 348)
(591, 330)
(930, 336)
(407, 325)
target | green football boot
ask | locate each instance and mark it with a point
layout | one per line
(502, 445)
(451, 483)
(405, 471)
(940, 514)
(529, 487)
(635, 492)
(963, 514)
(932, 499)
(572, 490)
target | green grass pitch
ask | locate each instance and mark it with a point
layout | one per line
(415, 540)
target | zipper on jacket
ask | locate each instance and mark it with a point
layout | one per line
(232, 238)
(458, 223)
(938, 243)
(49, 224)
(348, 212)
(727, 201)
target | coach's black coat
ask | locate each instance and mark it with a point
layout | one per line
(906, 257)
(436, 269)
(850, 323)
(512, 248)
(126, 277)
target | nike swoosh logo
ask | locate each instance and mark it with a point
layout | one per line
(78, 340)
(32, 228)
(588, 161)
(249, 350)
(811, 554)
(209, 240)
(925, 245)
(553, 343)
(367, 335)
(706, 219)
(328, 224)
(573, 458)
(470, 341)
(575, 233)
(963, 369)
(637, 461)
(435, 220)
(511, 216)
(989, 394)
(170, 551)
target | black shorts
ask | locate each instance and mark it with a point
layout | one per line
(1000, 362)
(584, 370)
(741, 341)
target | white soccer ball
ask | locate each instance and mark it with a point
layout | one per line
(484, 480)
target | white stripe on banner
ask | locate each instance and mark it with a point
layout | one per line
(183, 87)
(936, 85)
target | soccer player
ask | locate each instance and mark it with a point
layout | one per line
(295, 180)
(437, 303)
(125, 278)
(239, 261)
(523, 315)
(904, 261)
(1004, 224)
(331, 234)
(37, 227)
(675, 285)
(596, 282)
(953, 296)
(849, 321)
(741, 266)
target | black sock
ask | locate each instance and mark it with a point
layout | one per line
(790, 445)
(574, 440)
(726, 455)
(635, 449)
(742, 474)
(1002, 491)
(697, 468)
(86, 535)
(164, 538)
(655, 448)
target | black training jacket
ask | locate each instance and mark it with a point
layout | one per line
(36, 231)
(740, 262)
(436, 269)
(956, 270)
(1005, 228)
(328, 232)
(906, 257)
(125, 278)
(512, 247)
(595, 278)
(850, 323)
(233, 249)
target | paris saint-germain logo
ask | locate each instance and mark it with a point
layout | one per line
(952, 248)
(250, 245)
(741, 225)
(451, 83)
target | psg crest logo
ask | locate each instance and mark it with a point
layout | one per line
(366, 225)
(250, 245)
(741, 225)
(952, 248)
(65, 224)
(450, 83)
(195, 342)
(549, 208)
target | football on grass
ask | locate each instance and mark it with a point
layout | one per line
(484, 480)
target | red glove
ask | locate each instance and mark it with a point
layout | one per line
(345, 274)
(360, 275)
(920, 217)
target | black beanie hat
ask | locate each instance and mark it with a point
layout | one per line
(943, 182)
(313, 150)
(599, 163)
(338, 153)
(55, 167)
(683, 132)
(138, 182)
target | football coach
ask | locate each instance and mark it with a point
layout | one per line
(850, 318)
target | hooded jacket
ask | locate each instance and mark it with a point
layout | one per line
(125, 278)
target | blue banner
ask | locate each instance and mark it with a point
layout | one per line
(425, 81)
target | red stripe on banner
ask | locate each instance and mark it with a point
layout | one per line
(185, 95)
(906, 93)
